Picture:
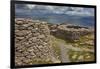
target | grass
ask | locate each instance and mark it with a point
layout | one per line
(82, 42)
(39, 61)
(54, 42)
(76, 56)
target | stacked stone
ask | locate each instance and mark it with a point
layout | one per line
(69, 33)
(32, 42)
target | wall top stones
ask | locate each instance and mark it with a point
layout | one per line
(32, 42)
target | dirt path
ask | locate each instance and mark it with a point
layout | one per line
(64, 57)
(65, 48)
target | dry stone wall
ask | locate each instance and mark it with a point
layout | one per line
(69, 33)
(32, 42)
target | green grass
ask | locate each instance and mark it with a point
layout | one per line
(76, 56)
(81, 43)
(55, 43)
(39, 61)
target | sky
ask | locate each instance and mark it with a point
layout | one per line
(45, 9)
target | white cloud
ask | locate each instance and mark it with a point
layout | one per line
(62, 10)
(81, 11)
(30, 6)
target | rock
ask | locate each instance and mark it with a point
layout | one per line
(36, 34)
(70, 32)
(81, 57)
(41, 36)
(31, 41)
(30, 28)
(19, 22)
(74, 56)
(88, 57)
(19, 38)
(22, 32)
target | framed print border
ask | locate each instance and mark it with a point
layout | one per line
(12, 50)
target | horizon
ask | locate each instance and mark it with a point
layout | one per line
(57, 14)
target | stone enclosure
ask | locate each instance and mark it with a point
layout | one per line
(32, 42)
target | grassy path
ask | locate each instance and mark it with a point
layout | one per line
(64, 57)
(64, 48)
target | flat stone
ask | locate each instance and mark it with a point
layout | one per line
(41, 36)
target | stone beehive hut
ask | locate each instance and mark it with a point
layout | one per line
(32, 42)
(70, 32)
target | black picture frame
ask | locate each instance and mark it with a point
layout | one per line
(12, 50)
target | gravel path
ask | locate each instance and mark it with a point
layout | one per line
(65, 48)
(64, 56)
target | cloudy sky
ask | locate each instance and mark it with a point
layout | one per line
(45, 9)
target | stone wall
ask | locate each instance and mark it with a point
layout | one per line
(63, 31)
(32, 42)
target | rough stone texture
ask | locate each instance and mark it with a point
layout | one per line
(70, 32)
(32, 42)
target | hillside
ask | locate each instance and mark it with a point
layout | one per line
(39, 42)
